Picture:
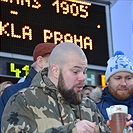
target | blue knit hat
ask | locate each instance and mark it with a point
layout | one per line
(118, 63)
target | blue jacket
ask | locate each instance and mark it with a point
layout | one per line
(108, 100)
(9, 91)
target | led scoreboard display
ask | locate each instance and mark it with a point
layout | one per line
(25, 23)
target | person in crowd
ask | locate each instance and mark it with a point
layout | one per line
(3, 85)
(41, 55)
(96, 94)
(87, 89)
(55, 103)
(119, 79)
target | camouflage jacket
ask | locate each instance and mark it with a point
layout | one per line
(41, 109)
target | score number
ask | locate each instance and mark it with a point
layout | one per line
(74, 9)
(19, 71)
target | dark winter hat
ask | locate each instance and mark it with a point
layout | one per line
(118, 63)
(43, 49)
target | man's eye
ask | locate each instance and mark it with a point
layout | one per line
(128, 78)
(84, 72)
(75, 72)
(117, 78)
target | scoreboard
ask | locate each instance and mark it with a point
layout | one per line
(25, 23)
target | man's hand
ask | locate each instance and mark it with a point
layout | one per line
(85, 126)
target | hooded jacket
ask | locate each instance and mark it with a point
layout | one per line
(41, 109)
(108, 100)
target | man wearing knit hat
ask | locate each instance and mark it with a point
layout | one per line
(119, 79)
(41, 55)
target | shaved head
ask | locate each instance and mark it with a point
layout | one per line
(63, 52)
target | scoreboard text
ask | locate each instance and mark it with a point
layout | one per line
(25, 23)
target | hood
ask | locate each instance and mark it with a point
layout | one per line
(41, 80)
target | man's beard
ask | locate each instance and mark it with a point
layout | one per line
(69, 95)
(121, 96)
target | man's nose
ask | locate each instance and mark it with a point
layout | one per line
(123, 81)
(81, 77)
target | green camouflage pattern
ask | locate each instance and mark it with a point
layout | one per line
(41, 109)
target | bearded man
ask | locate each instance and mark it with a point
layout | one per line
(53, 103)
(119, 79)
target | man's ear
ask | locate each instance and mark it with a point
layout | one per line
(55, 71)
(40, 61)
